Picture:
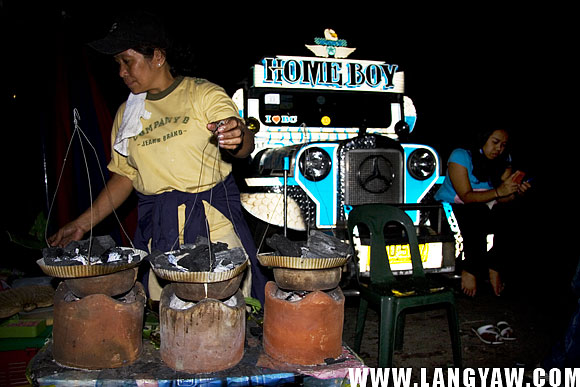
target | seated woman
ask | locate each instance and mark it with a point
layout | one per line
(477, 183)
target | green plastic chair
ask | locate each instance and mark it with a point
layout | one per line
(393, 296)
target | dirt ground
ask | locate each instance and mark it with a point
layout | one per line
(537, 317)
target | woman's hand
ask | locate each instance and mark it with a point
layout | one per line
(505, 192)
(508, 186)
(524, 187)
(116, 191)
(233, 136)
(72, 231)
(229, 132)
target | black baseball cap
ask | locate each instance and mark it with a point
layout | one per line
(132, 30)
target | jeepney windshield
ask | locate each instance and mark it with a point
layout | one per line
(316, 108)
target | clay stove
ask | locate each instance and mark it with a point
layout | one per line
(99, 306)
(202, 318)
(201, 337)
(98, 321)
(304, 310)
(306, 331)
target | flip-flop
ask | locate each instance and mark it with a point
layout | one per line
(489, 334)
(505, 331)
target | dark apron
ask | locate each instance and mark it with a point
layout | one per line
(158, 222)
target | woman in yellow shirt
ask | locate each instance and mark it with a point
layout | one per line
(169, 140)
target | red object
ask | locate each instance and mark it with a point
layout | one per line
(97, 331)
(13, 366)
(304, 332)
(519, 177)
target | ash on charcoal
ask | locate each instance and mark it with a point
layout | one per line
(293, 295)
(228, 259)
(297, 295)
(196, 257)
(70, 297)
(179, 304)
(55, 256)
(93, 251)
(318, 245)
(120, 255)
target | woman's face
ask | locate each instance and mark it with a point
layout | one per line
(138, 72)
(495, 144)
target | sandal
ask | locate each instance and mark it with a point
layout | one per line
(505, 331)
(489, 334)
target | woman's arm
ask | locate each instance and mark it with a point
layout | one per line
(116, 191)
(460, 180)
(234, 136)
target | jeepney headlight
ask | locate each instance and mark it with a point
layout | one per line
(421, 164)
(315, 164)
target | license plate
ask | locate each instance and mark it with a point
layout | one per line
(400, 256)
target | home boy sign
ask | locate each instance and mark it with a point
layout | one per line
(336, 74)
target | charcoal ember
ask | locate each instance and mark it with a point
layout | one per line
(54, 256)
(284, 246)
(96, 246)
(322, 245)
(119, 256)
(197, 258)
(51, 253)
(168, 260)
(201, 240)
(159, 260)
(102, 250)
(229, 259)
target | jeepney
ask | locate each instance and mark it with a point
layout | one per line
(330, 135)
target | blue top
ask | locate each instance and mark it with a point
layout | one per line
(446, 192)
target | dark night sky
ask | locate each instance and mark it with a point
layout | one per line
(463, 66)
(466, 64)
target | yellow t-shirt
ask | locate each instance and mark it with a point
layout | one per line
(175, 150)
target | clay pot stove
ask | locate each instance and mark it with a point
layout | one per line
(202, 314)
(205, 336)
(307, 329)
(98, 321)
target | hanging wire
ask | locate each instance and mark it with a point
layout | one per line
(81, 134)
(216, 166)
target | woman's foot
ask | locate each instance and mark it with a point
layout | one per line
(468, 283)
(496, 282)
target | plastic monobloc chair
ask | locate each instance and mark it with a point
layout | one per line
(393, 296)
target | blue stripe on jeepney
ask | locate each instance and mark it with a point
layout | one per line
(323, 192)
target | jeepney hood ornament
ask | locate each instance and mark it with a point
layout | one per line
(330, 46)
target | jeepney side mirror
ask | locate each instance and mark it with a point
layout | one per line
(253, 124)
(402, 129)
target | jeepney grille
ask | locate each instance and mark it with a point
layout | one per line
(373, 176)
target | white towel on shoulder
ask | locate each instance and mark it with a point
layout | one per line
(131, 124)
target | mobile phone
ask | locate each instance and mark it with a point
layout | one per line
(519, 177)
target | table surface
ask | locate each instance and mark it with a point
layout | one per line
(255, 368)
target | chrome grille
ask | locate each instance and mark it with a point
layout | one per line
(373, 176)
